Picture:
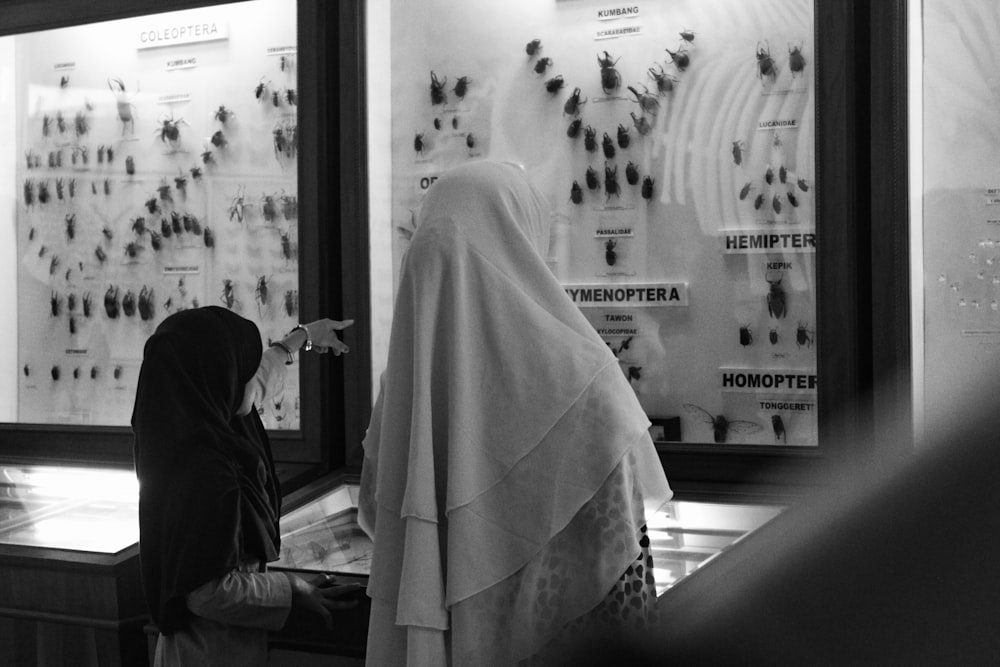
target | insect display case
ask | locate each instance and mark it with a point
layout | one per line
(685, 150)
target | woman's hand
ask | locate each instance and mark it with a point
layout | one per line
(322, 596)
(323, 334)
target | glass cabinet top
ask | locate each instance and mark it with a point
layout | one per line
(78, 509)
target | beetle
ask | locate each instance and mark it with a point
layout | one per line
(437, 123)
(139, 225)
(176, 223)
(746, 336)
(641, 123)
(261, 89)
(722, 427)
(555, 84)
(291, 302)
(610, 78)
(132, 249)
(680, 58)
(195, 172)
(94, 372)
(590, 139)
(624, 139)
(55, 372)
(611, 186)
(792, 199)
(46, 125)
(769, 176)
(591, 178)
(454, 122)
(758, 201)
(222, 114)
(776, 298)
(286, 245)
(237, 206)
(53, 265)
(228, 296)
(664, 82)
(209, 238)
(123, 104)
(803, 185)
(29, 192)
(533, 47)
(191, 223)
(647, 188)
(796, 61)
(70, 226)
(646, 100)
(155, 240)
(117, 372)
(739, 147)
(803, 336)
(152, 205)
(634, 373)
(111, 302)
(782, 174)
(576, 193)
(461, 87)
(71, 187)
(542, 64)
(219, 139)
(285, 63)
(776, 204)
(778, 426)
(438, 95)
(169, 129)
(55, 304)
(745, 190)
(27, 370)
(688, 35)
(100, 254)
(262, 292)
(631, 173)
(610, 256)
(418, 143)
(291, 96)
(609, 146)
(59, 189)
(180, 182)
(470, 141)
(573, 103)
(773, 336)
(573, 131)
(80, 124)
(146, 306)
(765, 63)
(129, 165)
(289, 206)
(268, 208)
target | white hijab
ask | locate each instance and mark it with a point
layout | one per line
(501, 410)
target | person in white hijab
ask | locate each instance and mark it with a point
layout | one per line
(508, 467)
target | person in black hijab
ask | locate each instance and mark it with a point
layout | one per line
(209, 499)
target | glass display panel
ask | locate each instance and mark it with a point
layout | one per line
(324, 535)
(154, 168)
(79, 509)
(955, 206)
(675, 143)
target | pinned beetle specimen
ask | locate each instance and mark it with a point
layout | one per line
(688, 35)
(55, 304)
(29, 192)
(286, 246)
(533, 47)
(461, 87)
(70, 226)
(169, 129)
(590, 139)
(111, 302)
(773, 336)
(132, 250)
(88, 304)
(209, 238)
(778, 427)
(765, 63)
(573, 103)
(175, 223)
(641, 123)
(746, 336)
(609, 146)
(100, 254)
(219, 139)
(631, 173)
(634, 373)
(128, 303)
(59, 189)
(268, 208)
(153, 206)
(647, 188)
(228, 296)
(123, 103)
(470, 141)
(776, 299)
(803, 336)
(542, 64)
(610, 78)
(573, 131)
(664, 82)
(591, 178)
(139, 225)
(739, 147)
(792, 199)
(55, 372)
(222, 114)
(191, 224)
(776, 204)
(758, 201)
(438, 95)
(623, 136)
(117, 372)
(418, 144)
(796, 61)
(289, 206)
(146, 306)
(745, 190)
(610, 256)
(803, 185)
(291, 302)
(237, 206)
(722, 427)
(576, 193)
(680, 58)
(155, 240)
(262, 292)
(81, 124)
(782, 173)
(260, 91)
(647, 101)
(611, 182)
(769, 176)
(129, 165)
(555, 84)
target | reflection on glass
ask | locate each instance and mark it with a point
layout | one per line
(79, 509)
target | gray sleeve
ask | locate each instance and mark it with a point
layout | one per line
(248, 599)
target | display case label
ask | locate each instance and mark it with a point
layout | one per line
(742, 242)
(186, 33)
(618, 12)
(608, 232)
(778, 124)
(623, 31)
(630, 294)
(181, 63)
(778, 380)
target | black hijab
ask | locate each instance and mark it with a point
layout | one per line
(208, 494)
